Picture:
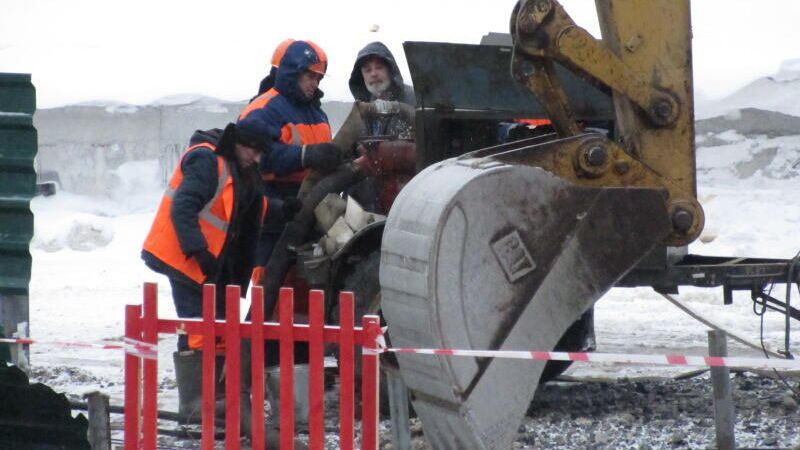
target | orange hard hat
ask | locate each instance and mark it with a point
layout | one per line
(322, 66)
(277, 55)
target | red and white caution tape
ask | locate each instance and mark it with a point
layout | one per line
(150, 351)
(670, 360)
(61, 344)
(141, 349)
(131, 346)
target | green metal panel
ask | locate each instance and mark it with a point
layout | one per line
(18, 144)
(17, 93)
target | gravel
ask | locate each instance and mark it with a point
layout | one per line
(655, 414)
(636, 414)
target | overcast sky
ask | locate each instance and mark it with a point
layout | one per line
(138, 51)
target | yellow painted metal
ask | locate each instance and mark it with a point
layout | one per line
(541, 79)
(645, 59)
(653, 38)
(591, 159)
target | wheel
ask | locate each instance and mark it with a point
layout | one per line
(579, 337)
(361, 278)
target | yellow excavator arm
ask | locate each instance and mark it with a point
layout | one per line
(645, 58)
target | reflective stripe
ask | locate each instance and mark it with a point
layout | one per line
(205, 213)
(297, 139)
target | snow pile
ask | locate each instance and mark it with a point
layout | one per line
(779, 92)
(789, 71)
(82, 223)
(76, 231)
(733, 158)
(193, 101)
(138, 186)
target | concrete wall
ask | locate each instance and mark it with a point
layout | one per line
(84, 144)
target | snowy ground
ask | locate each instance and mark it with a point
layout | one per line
(86, 267)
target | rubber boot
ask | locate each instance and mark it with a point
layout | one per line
(188, 375)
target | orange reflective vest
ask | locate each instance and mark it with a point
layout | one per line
(258, 102)
(214, 219)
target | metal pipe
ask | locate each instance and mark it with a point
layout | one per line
(296, 232)
(788, 316)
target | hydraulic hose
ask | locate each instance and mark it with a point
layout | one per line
(317, 186)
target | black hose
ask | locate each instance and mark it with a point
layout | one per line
(297, 231)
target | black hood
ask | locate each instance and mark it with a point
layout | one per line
(267, 83)
(359, 89)
(223, 140)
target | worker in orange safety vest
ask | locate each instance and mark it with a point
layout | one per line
(205, 231)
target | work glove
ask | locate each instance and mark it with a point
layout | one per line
(386, 107)
(207, 262)
(291, 206)
(323, 157)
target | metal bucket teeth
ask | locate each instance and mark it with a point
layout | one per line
(478, 254)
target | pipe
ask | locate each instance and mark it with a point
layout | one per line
(296, 232)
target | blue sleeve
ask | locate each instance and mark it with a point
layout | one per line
(197, 188)
(281, 159)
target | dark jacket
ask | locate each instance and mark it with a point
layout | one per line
(267, 83)
(395, 125)
(290, 110)
(235, 262)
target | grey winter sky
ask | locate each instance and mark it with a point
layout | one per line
(138, 51)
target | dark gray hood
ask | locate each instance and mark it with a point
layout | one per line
(359, 90)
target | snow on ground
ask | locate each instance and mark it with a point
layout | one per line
(86, 267)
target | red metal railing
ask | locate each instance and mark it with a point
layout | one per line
(142, 327)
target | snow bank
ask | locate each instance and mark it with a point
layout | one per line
(138, 186)
(83, 223)
(779, 92)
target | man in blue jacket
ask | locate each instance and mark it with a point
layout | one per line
(299, 135)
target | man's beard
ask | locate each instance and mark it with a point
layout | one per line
(378, 89)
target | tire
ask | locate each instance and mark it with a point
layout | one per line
(579, 337)
(361, 278)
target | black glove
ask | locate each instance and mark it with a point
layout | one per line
(207, 262)
(323, 157)
(291, 206)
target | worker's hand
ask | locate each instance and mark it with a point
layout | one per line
(291, 206)
(207, 262)
(323, 157)
(386, 107)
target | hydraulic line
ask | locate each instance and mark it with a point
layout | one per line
(707, 322)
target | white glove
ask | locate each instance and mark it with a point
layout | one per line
(385, 107)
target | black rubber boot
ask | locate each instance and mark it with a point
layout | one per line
(188, 376)
(245, 411)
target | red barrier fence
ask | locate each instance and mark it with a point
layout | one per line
(142, 327)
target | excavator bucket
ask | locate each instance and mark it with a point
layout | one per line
(480, 254)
